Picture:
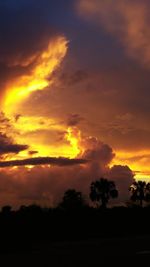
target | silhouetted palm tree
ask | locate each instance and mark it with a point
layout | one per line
(72, 199)
(140, 191)
(102, 190)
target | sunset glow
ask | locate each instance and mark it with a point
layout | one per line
(73, 136)
(74, 88)
(39, 77)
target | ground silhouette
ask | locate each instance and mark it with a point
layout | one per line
(74, 234)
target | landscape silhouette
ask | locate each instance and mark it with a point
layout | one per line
(74, 133)
(80, 229)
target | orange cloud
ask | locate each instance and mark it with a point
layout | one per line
(137, 160)
(39, 77)
(46, 184)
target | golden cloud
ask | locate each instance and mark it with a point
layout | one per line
(38, 78)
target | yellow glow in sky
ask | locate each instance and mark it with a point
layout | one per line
(136, 160)
(30, 128)
(73, 137)
(39, 78)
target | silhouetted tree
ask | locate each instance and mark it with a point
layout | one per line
(72, 199)
(102, 190)
(140, 191)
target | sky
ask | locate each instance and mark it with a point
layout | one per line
(74, 97)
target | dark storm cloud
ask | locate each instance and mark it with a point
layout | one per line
(24, 31)
(127, 20)
(7, 145)
(42, 161)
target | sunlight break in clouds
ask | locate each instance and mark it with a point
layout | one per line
(39, 77)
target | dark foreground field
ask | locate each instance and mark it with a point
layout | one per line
(87, 237)
(93, 252)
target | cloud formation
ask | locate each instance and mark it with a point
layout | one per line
(125, 179)
(125, 19)
(49, 177)
(26, 32)
(97, 87)
(30, 50)
(42, 161)
(7, 146)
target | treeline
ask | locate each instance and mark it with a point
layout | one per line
(74, 219)
(101, 191)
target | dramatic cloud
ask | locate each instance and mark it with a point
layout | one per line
(75, 94)
(39, 76)
(128, 20)
(45, 185)
(30, 48)
(101, 152)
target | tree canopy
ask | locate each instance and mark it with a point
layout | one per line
(102, 190)
(72, 199)
(140, 191)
